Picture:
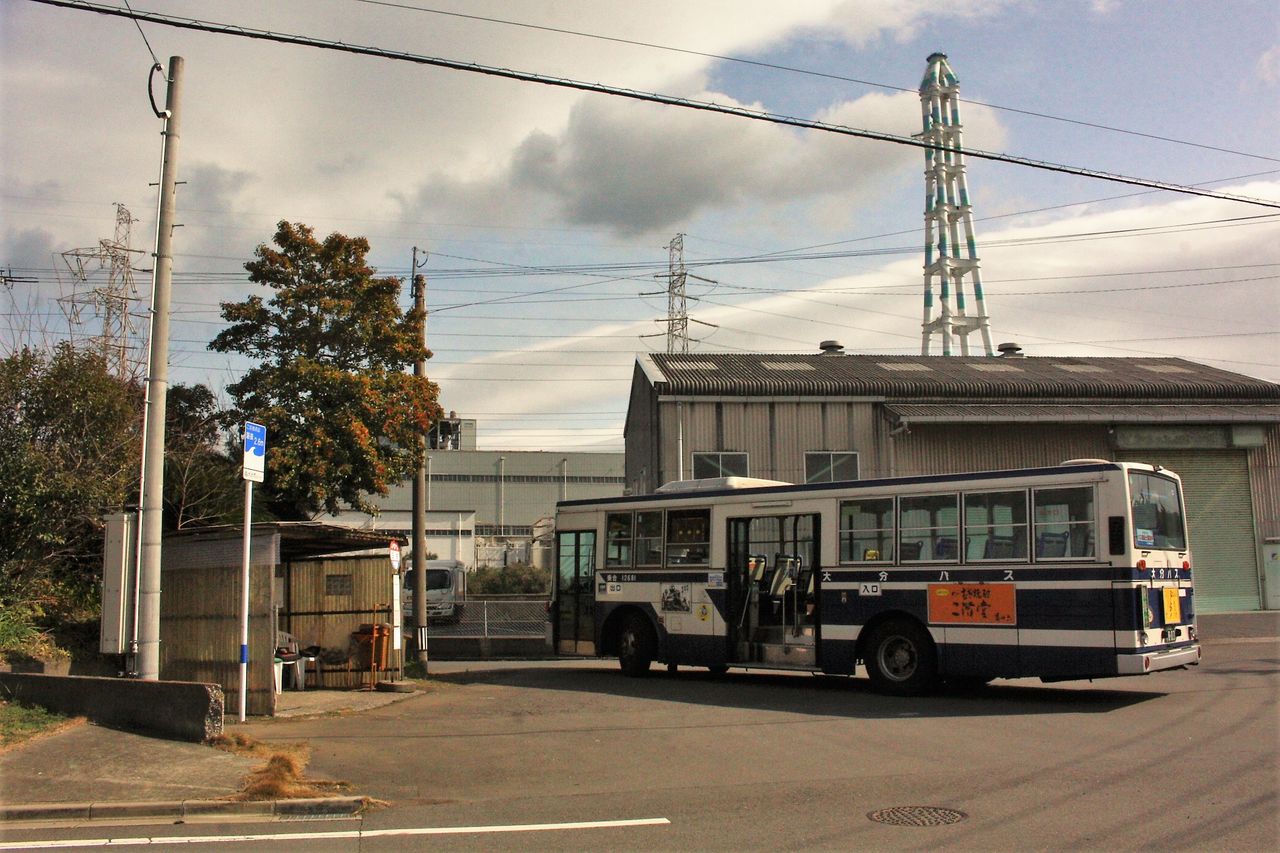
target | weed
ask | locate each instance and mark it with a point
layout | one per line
(21, 723)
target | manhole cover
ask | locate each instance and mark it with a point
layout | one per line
(917, 816)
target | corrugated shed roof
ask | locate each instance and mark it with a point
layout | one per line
(298, 539)
(943, 377)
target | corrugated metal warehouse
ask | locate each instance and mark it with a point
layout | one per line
(836, 416)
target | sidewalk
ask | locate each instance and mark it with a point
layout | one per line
(90, 772)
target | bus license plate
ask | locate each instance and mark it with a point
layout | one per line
(1172, 606)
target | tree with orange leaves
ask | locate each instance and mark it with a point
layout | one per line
(343, 417)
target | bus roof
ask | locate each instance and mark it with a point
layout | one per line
(1073, 467)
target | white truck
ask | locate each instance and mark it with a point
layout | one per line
(446, 591)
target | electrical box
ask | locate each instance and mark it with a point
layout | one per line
(119, 576)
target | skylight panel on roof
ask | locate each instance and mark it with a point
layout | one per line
(1081, 368)
(1164, 368)
(795, 366)
(996, 368)
(693, 365)
(904, 366)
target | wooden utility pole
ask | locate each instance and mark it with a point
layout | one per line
(420, 482)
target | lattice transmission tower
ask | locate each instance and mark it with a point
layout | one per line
(947, 210)
(99, 315)
(677, 305)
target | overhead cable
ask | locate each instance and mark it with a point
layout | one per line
(632, 94)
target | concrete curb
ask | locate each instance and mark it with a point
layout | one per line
(178, 809)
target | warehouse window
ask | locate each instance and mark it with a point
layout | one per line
(707, 465)
(824, 466)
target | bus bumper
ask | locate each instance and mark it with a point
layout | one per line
(1145, 662)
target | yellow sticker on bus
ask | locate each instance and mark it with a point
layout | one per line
(1172, 606)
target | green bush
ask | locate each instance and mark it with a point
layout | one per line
(17, 630)
(515, 579)
(21, 637)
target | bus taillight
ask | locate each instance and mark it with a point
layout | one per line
(1142, 565)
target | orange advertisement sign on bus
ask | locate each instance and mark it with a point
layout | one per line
(973, 604)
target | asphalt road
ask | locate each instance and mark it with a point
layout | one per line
(1172, 761)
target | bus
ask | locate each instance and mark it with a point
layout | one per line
(1078, 571)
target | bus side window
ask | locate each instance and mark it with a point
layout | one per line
(649, 538)
(866, 530)
(1064, 522)
(688, 537)
(932, 521)
(618, 540)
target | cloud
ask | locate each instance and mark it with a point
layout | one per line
(27, 248)
(652, 169)
(1269, 66)
(862, 21)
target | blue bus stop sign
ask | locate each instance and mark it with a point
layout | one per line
(255, 452)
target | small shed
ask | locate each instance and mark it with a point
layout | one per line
(200, 604)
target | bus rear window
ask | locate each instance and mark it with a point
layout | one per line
(1157, 512)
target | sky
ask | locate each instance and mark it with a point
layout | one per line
(546, 214)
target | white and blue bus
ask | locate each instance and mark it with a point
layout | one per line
(1077, 571)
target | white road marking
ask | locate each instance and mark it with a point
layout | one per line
(331, 836)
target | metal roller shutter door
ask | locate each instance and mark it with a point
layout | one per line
(1221, 526)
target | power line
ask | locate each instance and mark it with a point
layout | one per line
(650, 97)
(808, 72)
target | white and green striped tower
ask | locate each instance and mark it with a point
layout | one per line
(946, 209)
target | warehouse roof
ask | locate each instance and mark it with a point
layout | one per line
(948, 377)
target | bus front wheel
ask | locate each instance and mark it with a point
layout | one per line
(635, 646)
(901, 659)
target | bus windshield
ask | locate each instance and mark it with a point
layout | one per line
(1156, 511)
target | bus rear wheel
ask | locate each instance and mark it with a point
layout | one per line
(635, 646)
(901, 659)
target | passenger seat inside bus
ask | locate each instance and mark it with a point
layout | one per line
(1052, 544)
(998, 548)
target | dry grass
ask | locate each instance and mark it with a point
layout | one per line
(281, 776)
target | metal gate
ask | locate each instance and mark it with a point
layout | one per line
(1224, 543)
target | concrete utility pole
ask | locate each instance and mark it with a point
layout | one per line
(420, 483)
(157, 389)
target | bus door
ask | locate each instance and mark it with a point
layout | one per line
(773, 588)
(573, 600)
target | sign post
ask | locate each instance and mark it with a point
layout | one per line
(397, 579)
(254, 471)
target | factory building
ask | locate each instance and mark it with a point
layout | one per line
(833, 416)
(493, 507)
